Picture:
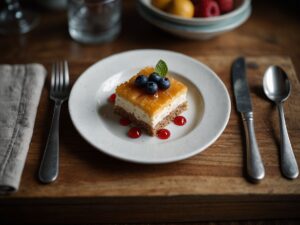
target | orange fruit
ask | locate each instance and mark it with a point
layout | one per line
(183, 8)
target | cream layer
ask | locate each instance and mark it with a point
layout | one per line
(143, 116)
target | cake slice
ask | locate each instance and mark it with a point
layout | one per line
(151, 112)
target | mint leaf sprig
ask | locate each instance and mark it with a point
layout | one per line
(161, 68)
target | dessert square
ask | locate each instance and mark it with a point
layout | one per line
(150, 112)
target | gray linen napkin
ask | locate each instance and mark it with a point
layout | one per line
(20, 91)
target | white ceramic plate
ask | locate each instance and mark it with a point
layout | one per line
(93, 117)
(195, 32)
(241, 6)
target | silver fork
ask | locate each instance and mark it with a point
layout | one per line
(59, 92)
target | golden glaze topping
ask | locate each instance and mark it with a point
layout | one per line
(151, 104)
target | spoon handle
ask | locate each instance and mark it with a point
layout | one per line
(255, 167)
(289, 165)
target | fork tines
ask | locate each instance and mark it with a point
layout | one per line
(59, 79)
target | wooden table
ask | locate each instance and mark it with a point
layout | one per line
(94, 188)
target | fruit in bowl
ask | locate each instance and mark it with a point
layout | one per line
(161, 4)
(195, 8)
(183, 8)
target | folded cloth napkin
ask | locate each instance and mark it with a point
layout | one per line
(20, 91)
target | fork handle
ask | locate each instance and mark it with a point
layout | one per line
(48, 171)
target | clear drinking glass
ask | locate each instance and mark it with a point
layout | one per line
(16, 20)
(94, 21)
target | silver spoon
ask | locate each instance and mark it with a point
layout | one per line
(277, 88)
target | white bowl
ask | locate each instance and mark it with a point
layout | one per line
(195, 32)
(241, 6)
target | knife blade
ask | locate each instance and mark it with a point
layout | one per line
(255, 167)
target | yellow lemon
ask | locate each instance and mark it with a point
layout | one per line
(161, 4)
(183, 8)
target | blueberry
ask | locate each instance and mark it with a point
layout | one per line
(151, 87)
(164, 83)
(154, 77)
(141, 81)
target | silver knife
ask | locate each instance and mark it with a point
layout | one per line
(255, 167)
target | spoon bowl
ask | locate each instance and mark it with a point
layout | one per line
(277, 88)
(276, 84)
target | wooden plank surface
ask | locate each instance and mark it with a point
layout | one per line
(273, 29)
(86, 172)
(195, 189)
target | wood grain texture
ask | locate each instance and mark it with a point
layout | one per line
(199, 188)
(94, 188)
(273, 29)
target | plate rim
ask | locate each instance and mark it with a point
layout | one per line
(171, 159)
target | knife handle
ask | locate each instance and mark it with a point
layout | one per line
(255, 167)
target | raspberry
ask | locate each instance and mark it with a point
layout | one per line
(209, 8)
(225, 5)
(197, 8)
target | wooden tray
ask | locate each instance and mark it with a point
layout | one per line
(93, 187)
